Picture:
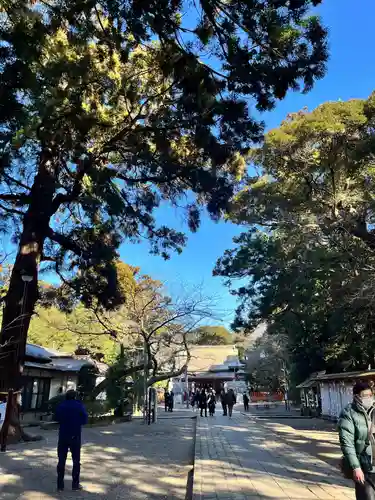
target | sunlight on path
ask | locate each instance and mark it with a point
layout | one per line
(237, 459)
(121, 462)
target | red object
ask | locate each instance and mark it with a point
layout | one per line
(266, 396)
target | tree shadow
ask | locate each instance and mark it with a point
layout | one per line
(130, 461)
(245, 459)
(319, 439)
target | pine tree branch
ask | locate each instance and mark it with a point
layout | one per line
(65, 242)
(15, 181)
(77, 186)
(11, 210)
(19, 198)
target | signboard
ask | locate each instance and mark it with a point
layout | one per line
(3, 407)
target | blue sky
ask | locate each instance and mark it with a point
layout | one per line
(351, 74)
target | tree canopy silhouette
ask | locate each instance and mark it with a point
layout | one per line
(306, 263)
(109, 108)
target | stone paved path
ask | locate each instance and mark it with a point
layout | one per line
(129, 461)
(240, 459)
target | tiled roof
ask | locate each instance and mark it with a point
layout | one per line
(322, 377)
(38, 353)
(207, 358)
(49, 359)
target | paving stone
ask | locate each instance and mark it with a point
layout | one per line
(249, 463)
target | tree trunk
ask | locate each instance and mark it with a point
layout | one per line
(167, 376)
(15, 433)
(101, 387)
(23, 294)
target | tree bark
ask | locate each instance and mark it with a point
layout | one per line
(166, 376)
(22, 295)
(104, 383)
(129, 371)
(15, 433)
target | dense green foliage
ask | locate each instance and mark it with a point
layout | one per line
(267, 364)
(212, 335)
(54, 328)
(307, 262)
(109, 107)
(152, 329)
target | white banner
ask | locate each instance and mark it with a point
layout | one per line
(3, 407)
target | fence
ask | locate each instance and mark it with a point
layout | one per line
(256, 397)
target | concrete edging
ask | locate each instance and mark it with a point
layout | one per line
(52, 425)
(275, 417)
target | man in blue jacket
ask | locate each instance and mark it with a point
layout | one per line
(71, 415)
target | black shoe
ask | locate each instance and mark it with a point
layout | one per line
(77, 487)
(60, 489)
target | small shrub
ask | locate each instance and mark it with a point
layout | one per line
(96, 409)
(51, 405)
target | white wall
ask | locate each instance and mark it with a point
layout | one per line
(346, 395)
(67, 382)
(335, 396)
(103, 395)
(56, 383)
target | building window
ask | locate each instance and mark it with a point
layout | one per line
(35, 393)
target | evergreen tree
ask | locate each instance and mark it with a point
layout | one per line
(307, 261)
(212, 335)
(108, 108)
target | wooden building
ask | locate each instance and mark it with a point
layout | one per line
(334, 391)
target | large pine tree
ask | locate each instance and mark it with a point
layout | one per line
(108, 107)
(307, 261)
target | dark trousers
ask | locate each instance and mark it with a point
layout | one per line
(224, 406)
(205, 411)
(365, 491)
(246, 406)
(65, 445)
(230, 410)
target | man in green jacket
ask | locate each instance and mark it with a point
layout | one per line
(357, 442)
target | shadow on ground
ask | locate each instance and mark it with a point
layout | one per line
(127, 461)
(317, 437)
(244, 459)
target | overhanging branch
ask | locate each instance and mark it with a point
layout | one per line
(20, 199)
(65, 242)
(103, 385)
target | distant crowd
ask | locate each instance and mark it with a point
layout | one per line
(205, 400)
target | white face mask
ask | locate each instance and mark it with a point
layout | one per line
(367, 402)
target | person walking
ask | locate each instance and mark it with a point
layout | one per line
(171, 401)
(203, 402)
(192, 400)
(71, 415)
(166, 399)
(230, 401)
(211, 404)
(356, 433)
(197, 399)
(223, 402)
(246, 401)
